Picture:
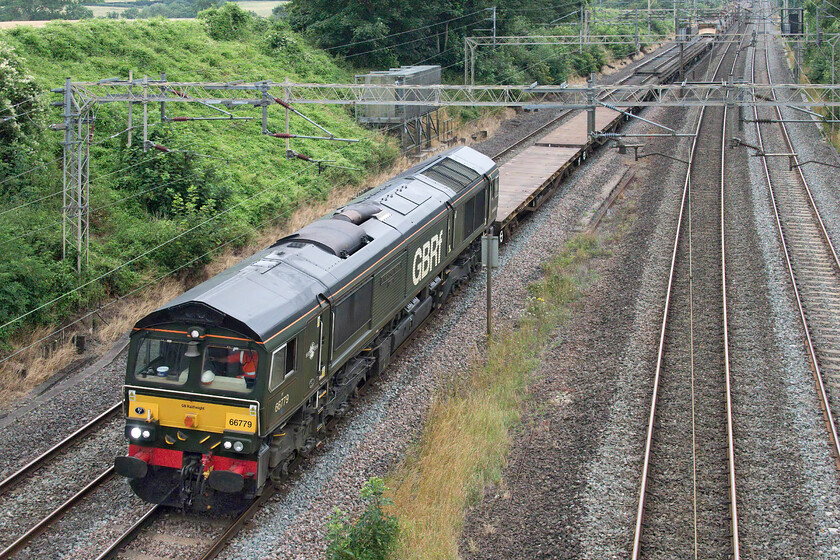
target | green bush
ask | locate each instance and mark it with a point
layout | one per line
(371, 536)
(228, 23)
(172, 184)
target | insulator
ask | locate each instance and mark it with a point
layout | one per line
(303, 157)
(179, 93)
(161, 148)
(283, 135)
(283, 103)
(181, 119)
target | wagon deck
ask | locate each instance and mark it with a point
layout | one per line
(531, 175)
(573, 131)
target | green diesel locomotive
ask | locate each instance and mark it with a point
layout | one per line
(227, 384)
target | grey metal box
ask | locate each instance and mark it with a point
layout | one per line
(396, 113)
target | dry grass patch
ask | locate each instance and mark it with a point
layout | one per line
(466, 437)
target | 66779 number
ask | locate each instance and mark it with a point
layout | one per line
(236, 423)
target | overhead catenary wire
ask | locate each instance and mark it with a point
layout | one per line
(180, 267)
(545, 8)
(407, 31)
(103, 207)
(107, 205)
(428, 58)
(56, 193)
(19, 115)
(29, 100)
(364, 41)
(424, 38)
(149, 251)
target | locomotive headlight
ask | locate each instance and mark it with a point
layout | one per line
(238, 447)
(228, 445)
(140, 432)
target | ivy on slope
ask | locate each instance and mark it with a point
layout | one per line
(141, 200)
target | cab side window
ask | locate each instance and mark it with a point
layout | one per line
(282, 364)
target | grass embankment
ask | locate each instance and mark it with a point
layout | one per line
(467, 434)
(140, 202)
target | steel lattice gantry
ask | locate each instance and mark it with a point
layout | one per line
(75, 226)
(80, 100)
(262, 94)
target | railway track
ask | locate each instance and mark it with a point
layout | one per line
(687, 498)
(148, 523)
(216, 532)
(809, 255)
(30, 469)
(208, 548)
(661, 66)
(39, 462)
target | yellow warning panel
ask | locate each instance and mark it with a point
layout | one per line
(178, 413)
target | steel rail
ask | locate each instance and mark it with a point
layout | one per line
(634, 74)
(570, 111)
(812, 354)
(58, 512)
(730, 436)
(637, 534)
(38, 462)
(131, 533)
(237, 525)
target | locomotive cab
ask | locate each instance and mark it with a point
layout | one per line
(192, 415)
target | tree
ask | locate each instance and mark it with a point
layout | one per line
(389, 32)
(43, 10)
(21, 122)
(380, 32)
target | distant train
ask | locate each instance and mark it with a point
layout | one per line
(707, 29)
(227, 384)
